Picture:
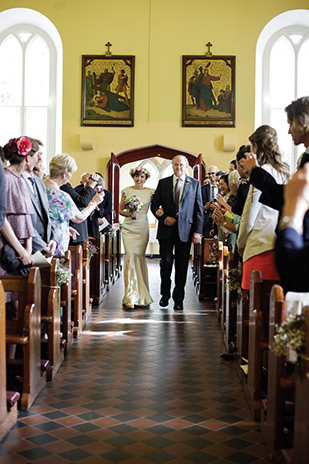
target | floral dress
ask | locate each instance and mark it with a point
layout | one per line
(63, 210)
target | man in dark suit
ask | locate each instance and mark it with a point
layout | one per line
(42, 220)
(177, 204)
(209, 194)
(81, 200)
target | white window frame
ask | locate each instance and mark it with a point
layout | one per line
(285, 24)
(17, 20)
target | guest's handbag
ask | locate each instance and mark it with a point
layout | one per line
(11, 263)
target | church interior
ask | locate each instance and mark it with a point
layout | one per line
(152, 385)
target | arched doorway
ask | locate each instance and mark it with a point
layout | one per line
(137, 154)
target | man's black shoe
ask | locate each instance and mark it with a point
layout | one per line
(178, 306)
(164, 301)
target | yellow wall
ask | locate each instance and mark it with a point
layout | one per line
(158, 33)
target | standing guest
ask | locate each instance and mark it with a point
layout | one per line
(61, 204)
(42, 219)
(2, 196)
(209, 194)
(103, 211)
(243, 188)
(292, 252)
(81, 200)
(177, 204)
(233, 165)
(17, 230)
(258, 222)
(135, 235)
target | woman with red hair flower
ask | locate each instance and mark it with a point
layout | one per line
(17, 229)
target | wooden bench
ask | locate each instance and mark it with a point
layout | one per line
(220, 281)
(281, 393)
(256, 385)
(207, 273)
(26, 332)
(242, 333)
(223, 289)
(77, 288)
(8, 400)
(98, 282)
(231, 295)
(66, 307)
(87, 306)
(50, 314)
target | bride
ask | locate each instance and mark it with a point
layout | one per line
(135, 235)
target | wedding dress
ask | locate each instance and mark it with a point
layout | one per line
(135, 236)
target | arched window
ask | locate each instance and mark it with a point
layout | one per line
(282, 68)
(30, 79)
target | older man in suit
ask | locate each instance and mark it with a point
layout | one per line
(209, 196)
(42, 220)
(177, 204)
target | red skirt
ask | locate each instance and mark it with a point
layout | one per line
(265, 263)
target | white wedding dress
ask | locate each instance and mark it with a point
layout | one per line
(135, 236)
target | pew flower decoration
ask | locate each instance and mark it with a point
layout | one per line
(214, 253)
(132, 205)
(63, 274)
(92, 250)
(290, 340)
(234, 279)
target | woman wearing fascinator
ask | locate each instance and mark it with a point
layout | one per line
(134, 205)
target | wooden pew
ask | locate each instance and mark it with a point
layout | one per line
(8, 414)
(65, 297)
(242, 333)
(223, 290)
(98, 282)
(77, 288)
(208, 269)
(281, 388)
(50, 314)
(87, 306)
(26, 331)
(229, 333)
(256, 385)
(109, 278)
(117, 266)
(301, 420)
(220, 280)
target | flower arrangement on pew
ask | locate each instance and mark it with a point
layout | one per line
(234, 279)
(289, 341)
(214, 253)
(63, 274)
(92, 250)
(132, 205)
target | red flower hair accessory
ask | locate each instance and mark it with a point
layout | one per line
(21, 146)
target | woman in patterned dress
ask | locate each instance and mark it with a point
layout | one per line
(63, 208)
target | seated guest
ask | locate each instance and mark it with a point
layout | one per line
(42, 219)
(258, 222)
(61, 204)
(292, 253)
(81, 200)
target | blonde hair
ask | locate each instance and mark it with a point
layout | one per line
(62, 164)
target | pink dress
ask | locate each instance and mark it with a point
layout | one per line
(18, 214)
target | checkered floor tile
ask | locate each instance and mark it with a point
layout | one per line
(141, 387)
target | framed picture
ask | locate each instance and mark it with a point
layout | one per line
(107, 90)
(208, 91)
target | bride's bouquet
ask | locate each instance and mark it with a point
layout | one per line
(132, 205)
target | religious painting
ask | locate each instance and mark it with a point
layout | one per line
(107, 90)
(208, 92)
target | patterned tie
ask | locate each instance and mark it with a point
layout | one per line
(33, 184)
(177, 193)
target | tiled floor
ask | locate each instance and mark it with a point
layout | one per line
(141, 387)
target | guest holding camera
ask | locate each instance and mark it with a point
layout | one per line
(61, 203)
